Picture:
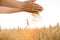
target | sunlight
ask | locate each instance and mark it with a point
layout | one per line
(49, 16)
(13, 20)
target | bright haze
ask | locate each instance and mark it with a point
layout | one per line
(49, 16)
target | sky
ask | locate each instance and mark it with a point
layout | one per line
(49, 16)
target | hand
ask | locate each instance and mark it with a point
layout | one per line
(26, 6)
(31, 7)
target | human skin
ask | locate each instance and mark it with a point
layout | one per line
(6, 10)
(31, 0)
(17, 6)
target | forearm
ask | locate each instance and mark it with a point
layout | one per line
(10, 3)
(5, 10)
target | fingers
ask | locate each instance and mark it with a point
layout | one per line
(32, 7)
(38, 7)
(27, 6)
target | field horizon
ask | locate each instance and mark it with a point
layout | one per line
(51, 33)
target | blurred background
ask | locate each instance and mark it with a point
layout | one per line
(49, 16)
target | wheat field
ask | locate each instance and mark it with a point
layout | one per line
(51, 33)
